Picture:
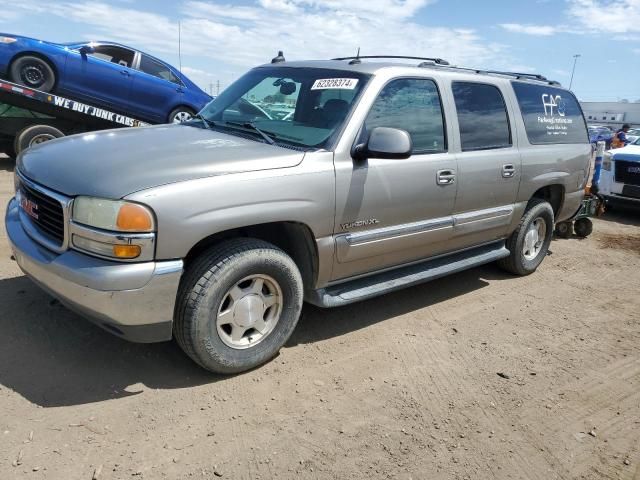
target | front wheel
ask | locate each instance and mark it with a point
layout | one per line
(181, 115)
(33, 72)
(237, 305)
(529, 243)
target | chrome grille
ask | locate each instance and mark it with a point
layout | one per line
(627, 172)
(48, 215)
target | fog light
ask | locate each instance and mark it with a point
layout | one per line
(126, 251)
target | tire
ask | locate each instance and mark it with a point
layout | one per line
(583, 227)
(35, 135)
(33, 72)
(206, 300)
(180, 115)
(538, 213)
(564, 229)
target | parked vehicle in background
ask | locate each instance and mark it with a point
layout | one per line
(599, 133)
(620, 175)
(111, 75)
(215, 231)
(633, 134)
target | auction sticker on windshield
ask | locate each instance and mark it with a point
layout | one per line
(335, 83)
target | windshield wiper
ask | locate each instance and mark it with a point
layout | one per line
(253, 127)
(206, 122)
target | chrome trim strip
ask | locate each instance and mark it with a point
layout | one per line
(146, 241)
(486, 214)
(398, 230)
(31, 229)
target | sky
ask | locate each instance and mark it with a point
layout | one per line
(220, 40)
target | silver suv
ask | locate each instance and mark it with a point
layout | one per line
(322, 181)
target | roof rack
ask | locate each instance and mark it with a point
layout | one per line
(516, 75)
(356, 60)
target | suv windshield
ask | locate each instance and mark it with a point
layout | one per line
(305, 107)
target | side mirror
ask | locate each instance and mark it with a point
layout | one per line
(384, 142)
(86, 50)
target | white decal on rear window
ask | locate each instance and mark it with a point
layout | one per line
(335, 83)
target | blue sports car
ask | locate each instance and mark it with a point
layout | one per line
(114, 76)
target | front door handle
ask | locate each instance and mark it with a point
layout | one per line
(508, 170)
(445, 177)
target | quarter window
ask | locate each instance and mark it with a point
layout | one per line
(413, 105)
(157, 69)
(482, 116)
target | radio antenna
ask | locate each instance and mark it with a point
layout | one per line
(180, 46)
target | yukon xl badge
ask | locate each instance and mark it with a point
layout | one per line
(359, 223)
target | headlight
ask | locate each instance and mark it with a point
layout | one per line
(8, 39)
(114, 215)
(113, 229)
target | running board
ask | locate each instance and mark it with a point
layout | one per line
(385, 282)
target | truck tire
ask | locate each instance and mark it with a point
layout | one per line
(34, 135)
(529, 243)
(33, 72)
(181, 114)
(583, 227)
(237, 305)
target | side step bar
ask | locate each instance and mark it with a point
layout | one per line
(385, 282)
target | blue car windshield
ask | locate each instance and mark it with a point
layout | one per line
(304, 107)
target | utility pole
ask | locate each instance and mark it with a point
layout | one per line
(575, 60)
(211, 88)
(217, 87)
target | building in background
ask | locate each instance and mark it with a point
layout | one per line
(613, 114)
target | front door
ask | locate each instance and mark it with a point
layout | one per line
(103, 76)
(390, 212)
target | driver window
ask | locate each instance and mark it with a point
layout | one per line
(413, 105)
(272, 99)
(113, 54)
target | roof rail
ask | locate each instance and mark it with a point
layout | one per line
(437, 61)
(516, 75)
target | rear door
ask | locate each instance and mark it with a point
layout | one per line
(489, 164)
(156, 90)
(104, 76)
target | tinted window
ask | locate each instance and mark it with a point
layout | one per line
(482, 116)
(119, 55)
(157, 69)
(412, 105)
(551, 115)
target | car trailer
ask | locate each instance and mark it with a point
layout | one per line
(29, 117)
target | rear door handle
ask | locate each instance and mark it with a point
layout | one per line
(508, 170)
(445, 177)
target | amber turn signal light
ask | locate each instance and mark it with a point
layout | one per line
(134, 218)
(126, 251)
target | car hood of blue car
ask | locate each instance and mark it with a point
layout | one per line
(116, 163)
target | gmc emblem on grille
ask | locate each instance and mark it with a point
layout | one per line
(633, 169)
(30, 207)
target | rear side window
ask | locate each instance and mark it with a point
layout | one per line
(551, 115)
(150, 66)
(411, 104)
(482, 116)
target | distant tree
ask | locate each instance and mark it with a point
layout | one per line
(637, 101)
(624, 100)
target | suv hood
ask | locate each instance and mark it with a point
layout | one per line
(116, 163)
(630, 153)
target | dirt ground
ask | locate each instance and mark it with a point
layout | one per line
(479, 375)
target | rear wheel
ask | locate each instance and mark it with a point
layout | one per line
(529, 243)
(35, 135)
(181, 114)
(237, 305)
(33, 72)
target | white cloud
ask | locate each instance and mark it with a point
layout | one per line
(620, 16)
(543, 30)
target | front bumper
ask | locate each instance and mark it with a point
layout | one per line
(134, 301)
